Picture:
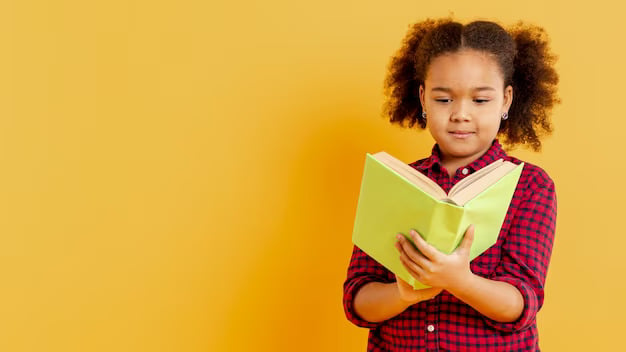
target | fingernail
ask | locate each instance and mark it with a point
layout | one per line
(413, 232)
(398, 237)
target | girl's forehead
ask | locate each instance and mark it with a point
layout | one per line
(464, 68)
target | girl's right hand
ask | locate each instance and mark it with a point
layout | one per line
(411, 295)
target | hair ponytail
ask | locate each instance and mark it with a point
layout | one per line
(534, 88)
(403, 81)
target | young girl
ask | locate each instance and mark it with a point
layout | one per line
(467, 84)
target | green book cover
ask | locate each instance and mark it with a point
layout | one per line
(389, 204)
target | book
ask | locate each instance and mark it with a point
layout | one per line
(395, 198)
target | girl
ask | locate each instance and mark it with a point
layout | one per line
(468, 84)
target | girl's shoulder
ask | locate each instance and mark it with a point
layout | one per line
(533, 176)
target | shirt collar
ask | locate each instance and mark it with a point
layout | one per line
(492, 154)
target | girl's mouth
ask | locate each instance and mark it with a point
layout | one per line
(461, 134)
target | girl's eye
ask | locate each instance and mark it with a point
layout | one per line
(481, 101)
(443, 100)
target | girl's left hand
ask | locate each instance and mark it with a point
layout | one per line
(434, 268)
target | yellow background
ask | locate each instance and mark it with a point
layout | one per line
(183, 175)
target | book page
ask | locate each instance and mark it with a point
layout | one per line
(417, 178)
(475, 176)
(465, 194)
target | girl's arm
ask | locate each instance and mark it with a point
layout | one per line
(513, 295)
(496, 300)
(372, 294)
(378, 301)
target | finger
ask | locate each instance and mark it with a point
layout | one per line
(468, 238)
(409, 250)
(426, 249)
(414, 270)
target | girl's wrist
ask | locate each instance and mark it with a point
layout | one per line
(463, 285)
(402, 300)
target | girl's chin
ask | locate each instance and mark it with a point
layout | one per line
(462, 152)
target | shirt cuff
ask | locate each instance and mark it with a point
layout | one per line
(350, 290)
(531, 307)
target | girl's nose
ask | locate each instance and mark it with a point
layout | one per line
(460, 113)
(459, 116)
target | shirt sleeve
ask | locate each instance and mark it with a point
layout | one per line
(526, 250)
(362, 270)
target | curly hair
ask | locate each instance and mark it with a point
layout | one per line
(522, 53)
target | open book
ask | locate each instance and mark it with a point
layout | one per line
(395, 198)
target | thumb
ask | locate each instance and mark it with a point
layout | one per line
(468, 239)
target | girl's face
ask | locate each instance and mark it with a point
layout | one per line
(464, 99)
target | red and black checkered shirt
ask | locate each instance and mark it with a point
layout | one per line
(520, 257)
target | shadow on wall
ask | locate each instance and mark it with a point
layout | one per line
(291, 299)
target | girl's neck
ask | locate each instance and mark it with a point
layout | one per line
(451, 164)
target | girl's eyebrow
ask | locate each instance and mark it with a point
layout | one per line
(484, 88)
(449, 90)
(441, 89)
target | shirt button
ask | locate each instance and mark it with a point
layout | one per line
(430, 328)
(465, 171)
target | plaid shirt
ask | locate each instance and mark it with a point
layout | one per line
(520, 257)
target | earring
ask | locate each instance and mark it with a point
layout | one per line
(424, 115)
(505, 116)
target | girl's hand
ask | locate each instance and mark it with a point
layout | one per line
(409, 294)
(433, 268)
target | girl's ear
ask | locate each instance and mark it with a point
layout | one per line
(422, 96)
(508, 98)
